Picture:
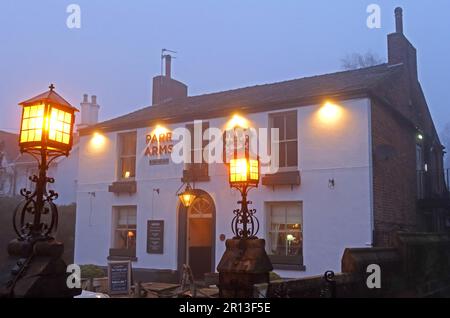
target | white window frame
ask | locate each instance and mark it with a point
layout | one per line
(115, 224)
(285, 114)
(120, 156)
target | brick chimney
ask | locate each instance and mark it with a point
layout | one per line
(89, 111)
(165, 88)
(400, 50)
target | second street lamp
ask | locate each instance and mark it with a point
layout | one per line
(245, 261)
(243, 176)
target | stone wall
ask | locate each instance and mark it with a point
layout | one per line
(418, 266)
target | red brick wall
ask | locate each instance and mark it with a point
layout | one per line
(394, 175)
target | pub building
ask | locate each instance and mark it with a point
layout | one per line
(359, 160)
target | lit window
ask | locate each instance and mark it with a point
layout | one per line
(285, 233)
(127, 155)
(125, 229)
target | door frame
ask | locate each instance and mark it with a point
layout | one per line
(182, 232)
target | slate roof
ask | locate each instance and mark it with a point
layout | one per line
(252, 99)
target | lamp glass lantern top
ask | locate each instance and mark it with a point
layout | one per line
(187, 197)
(47, 123)
(243, 165)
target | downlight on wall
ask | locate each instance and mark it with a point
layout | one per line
(330, 113)
(97, 141)
(237, 121)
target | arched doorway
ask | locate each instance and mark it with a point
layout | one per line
(196, 228)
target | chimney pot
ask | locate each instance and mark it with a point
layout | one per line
(85, 98)
(399, 20)
(168, 59)
(94, 100)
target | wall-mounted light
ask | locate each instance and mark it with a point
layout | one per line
(98, 140)
(159, 130)
(331, 183)
(187, 197)
(330, 112)
(420, 136)
(237, 121)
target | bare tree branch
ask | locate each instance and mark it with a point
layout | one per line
(356, 60)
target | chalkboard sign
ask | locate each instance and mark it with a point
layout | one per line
(155, 237)
(119, 277)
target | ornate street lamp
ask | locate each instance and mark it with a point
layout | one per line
(245, 261)
(36, 268)
(46, 133)
(243, 176)
(187, 197)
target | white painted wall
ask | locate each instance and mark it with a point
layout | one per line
(333, 218)
(65, 173)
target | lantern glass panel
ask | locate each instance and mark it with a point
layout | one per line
(60, 126)
(238, 170)
(254, 170)
(32, 123)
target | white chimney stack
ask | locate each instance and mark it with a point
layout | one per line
(89, 111)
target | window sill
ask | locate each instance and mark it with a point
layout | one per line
(282, 178)
(123, 187)
(294, 263)
(196, 173)
(118, 254)
(122, 258)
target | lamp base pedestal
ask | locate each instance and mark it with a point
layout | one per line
(35, 269)
(244, 264)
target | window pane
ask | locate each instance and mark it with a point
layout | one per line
(128, 146)
(291, 126)
(282, 155)
(293, 215)
(285, 235)
(128, 167)
(292, 154)
(123, 218)
(127, 156)
(293, 243)
(278, 214)
(278, 122)
(197, 149)
(277, 244)
(125, 228)
(120, 239)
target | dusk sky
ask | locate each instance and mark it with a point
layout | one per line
(221, 45)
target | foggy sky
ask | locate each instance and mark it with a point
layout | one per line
(221, 44)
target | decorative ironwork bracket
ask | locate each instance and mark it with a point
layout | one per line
(27, 217)
(244, 223)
